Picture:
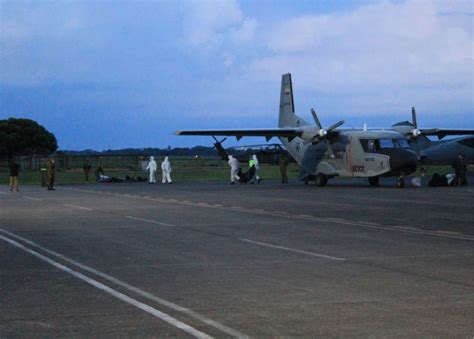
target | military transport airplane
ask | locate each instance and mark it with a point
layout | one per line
(325, 153)
(442, 152)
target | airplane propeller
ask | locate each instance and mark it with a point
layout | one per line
(321, 133)
(415, 133)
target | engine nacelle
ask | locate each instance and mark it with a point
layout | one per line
(415, 133)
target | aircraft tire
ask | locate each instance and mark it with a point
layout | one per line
(321, 180)
(400, 183)
(374, 181)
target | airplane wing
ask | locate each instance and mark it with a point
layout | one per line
(268, 133)
(441, 132)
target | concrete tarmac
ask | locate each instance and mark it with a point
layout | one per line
(208, 259)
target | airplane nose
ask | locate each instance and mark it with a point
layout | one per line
(403, 160)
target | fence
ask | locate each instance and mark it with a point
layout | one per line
(66, 162)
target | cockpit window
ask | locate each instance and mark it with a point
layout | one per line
(401, 143)
(368, 145)
(386, 143)
(373, 145)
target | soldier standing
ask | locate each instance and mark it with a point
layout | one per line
(464, 171)
(86, 167)
(50, 168)
(98, 172)
(283, 162)
(14, 169)
(460, 169)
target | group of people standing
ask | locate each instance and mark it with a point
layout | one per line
(165, 170)
(252, 175)
(50, 170)
(236, 174)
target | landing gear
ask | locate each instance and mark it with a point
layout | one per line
(401, 182)
(321, 180)
(374, 181)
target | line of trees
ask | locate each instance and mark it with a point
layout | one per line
(180, 151)
(26, 137)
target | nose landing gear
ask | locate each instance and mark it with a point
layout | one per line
(321, 180)
(401, 181)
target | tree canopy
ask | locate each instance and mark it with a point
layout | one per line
(25, 137)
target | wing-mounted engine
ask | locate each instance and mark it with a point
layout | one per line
(319, 134)
(407, 128)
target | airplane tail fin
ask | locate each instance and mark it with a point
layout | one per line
(287, 117)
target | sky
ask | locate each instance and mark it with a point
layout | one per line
(117, 74)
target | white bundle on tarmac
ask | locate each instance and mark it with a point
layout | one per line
(416, 182)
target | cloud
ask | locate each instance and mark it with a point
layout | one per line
(220, 27)
(37, 45)
(244, 33)
(216, 62)
(413, 48)
(207, 22)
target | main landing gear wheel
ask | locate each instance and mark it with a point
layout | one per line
(401, 182)
(374, 181)
(321, 180)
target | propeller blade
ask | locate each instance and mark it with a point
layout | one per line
(316, 120)
(336, 125)
(219, 142)
(413, 117)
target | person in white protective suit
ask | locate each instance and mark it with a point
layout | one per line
(166, 171)
(234, 169)
(152, 168)
(256, 177)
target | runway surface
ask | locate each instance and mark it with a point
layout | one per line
(214, 260)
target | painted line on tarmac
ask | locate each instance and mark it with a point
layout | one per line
(116, 294)
(305, 217)
(448, 232)
(4, 193)
(289, 249)
(136, 290)
(31, 198)
(78, 207)
(149, 221)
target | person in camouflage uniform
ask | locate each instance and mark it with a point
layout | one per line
(50, 169)
(460, 167)
(283, 162)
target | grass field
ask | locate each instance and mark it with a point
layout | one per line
(184, 169)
